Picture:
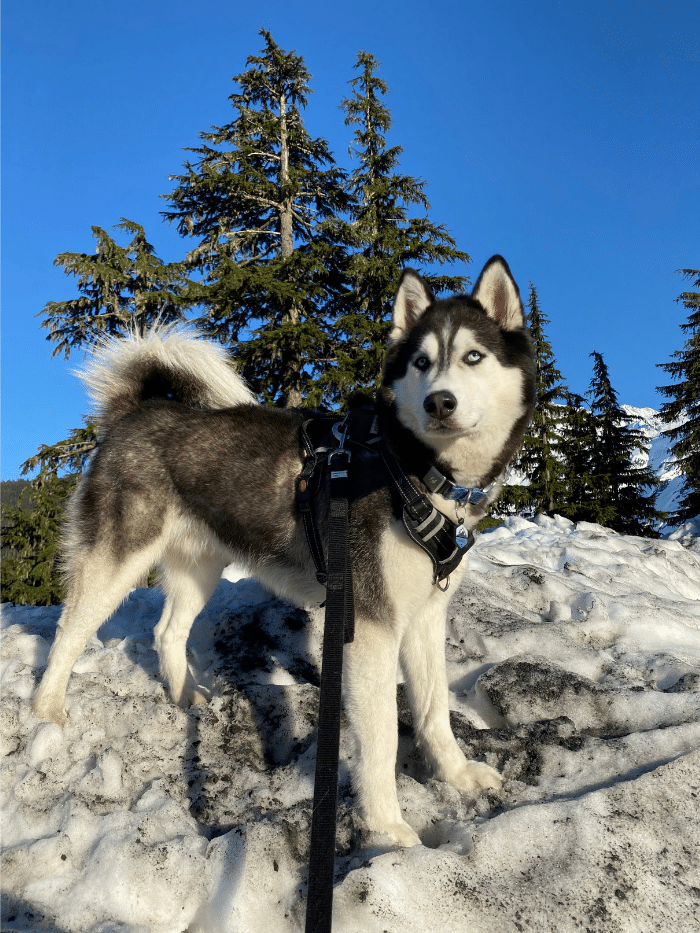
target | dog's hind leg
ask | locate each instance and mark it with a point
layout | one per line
(97, 586)
(423, 663)
(188, 582)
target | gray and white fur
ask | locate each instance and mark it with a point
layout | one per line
(191, 474)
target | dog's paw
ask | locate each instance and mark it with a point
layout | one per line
(475, 777)
(401, 834)
(51, 712)
(193, 696)
(198, 696)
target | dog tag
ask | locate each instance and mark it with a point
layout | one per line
(462, 536)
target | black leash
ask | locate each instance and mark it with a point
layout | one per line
(338, 629)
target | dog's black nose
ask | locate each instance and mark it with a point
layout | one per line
(440, 405)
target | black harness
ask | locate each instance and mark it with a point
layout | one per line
(324, 438)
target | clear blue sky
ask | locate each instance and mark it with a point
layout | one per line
(563, 135)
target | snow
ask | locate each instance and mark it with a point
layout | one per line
(573, 658)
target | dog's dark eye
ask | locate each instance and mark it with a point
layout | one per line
(422, 363)
(474, 356)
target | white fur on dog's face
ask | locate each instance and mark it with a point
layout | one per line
(488, 394)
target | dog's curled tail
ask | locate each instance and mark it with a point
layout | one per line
(168, 362)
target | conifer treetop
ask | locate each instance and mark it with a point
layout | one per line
(123, 289)
(383, 236)
(264, 198)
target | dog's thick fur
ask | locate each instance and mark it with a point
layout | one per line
(191, 474)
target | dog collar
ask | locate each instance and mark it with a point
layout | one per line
(462, 495)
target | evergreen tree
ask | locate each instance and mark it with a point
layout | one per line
(618, 483)
(385, 238)
(540, 457)
(31, 531)
(685, 395)
(579, 442)
(123, 288)
(30, 537)
(264, 199)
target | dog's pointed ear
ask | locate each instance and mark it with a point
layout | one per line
(498, 294)
(412, 298)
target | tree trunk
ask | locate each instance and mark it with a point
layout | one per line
(291, 359)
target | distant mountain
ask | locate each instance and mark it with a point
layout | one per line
(663, 463)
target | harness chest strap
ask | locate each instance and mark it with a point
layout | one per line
(443, 541)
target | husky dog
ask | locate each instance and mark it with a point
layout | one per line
(191, 474)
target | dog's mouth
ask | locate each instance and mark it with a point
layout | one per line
(449, 427)
(442, 427)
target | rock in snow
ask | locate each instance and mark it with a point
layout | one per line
(573, 657)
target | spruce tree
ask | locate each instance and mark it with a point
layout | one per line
(619, 484)
(122, 288)
(31, 531)
(30, 539)
(264, 199)
(685, 404)
(540, 457)
(582, 500)
(385, 236)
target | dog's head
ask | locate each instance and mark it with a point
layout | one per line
(460, 367)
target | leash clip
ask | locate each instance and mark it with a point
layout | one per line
(339, 434)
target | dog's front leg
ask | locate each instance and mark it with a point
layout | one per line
(423, 662)
(370, 702)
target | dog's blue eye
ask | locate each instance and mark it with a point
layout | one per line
(474, 356)
(422, 363)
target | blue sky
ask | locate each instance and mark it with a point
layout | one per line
(563, 135)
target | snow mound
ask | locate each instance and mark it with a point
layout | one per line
(573, 658)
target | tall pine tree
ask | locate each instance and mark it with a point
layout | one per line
(618, 482)
(122, 288)
(265, 199)
(582, 500)
(685, 404)
(385, 236)
(540, 457)
(31, 531)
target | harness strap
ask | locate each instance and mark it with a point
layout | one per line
(307, 486)
(306, 511)
(445, 543)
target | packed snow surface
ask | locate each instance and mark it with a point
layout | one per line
(573, 658)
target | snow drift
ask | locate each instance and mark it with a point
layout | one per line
(574, 664)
